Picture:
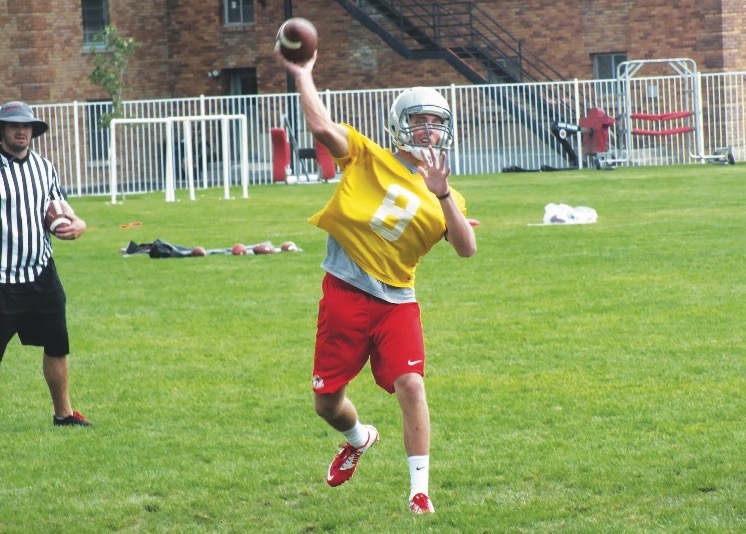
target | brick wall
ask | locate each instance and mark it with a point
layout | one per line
(565, 33)
(349, 55)
(734, 34)
(43, 59)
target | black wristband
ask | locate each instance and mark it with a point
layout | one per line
(444, 195)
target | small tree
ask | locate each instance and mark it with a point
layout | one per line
(110, 67)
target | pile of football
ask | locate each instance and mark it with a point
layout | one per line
(240, 249)
(297, 40)
(59, 215)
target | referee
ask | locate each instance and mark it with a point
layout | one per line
(32, 300)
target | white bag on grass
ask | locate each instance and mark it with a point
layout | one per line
(564, 214)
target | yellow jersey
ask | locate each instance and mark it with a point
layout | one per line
(382, 213)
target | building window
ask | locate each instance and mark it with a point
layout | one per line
(98, 135)
(239, 11)
(95, 19)
(243, 81)
(605, 65)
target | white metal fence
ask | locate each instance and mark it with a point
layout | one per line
(500, 128)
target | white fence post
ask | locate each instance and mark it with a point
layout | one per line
(226, 160)
(456, 152)
(189, 156)
(113, 160)
(578, 134)
(170, 195)
(244, 148)
(76, 129)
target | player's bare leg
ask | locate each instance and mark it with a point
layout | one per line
(336, 409)
(410, 392)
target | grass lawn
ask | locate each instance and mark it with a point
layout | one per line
(583, 379)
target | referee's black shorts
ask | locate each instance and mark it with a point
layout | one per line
(36, 312)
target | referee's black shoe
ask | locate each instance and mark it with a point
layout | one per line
(76, 419)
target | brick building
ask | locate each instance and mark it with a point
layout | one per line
(221, 47)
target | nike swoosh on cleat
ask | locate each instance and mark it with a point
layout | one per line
(413, 362)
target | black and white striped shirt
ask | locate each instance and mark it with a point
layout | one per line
(26, 188)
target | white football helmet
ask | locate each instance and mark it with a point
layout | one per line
(418, 101)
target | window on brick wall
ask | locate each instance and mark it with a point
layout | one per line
(239, 11)
(98, 135)
(95, 19)
(243, 81)
(604, 65)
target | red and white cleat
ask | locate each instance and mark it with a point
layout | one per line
(420, 504)
(345, 462)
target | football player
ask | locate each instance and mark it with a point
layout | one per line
(388, 210)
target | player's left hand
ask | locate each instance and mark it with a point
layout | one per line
(435, 171)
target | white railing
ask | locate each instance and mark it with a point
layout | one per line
(499, 128)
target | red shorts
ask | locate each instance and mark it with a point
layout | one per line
(354, 327)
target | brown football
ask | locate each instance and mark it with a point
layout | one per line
(263, 248)
(58, 215)
(297, 39)
(239, 249)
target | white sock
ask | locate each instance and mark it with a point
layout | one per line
(419, 474)
(357, 436)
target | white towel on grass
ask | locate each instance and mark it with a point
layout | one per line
(564, 214)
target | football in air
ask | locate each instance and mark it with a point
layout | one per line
(297, 40)
(58, 215)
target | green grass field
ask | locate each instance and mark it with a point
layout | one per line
(582, 379)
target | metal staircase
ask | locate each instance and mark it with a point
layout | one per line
(473, 43)
(458, 32)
